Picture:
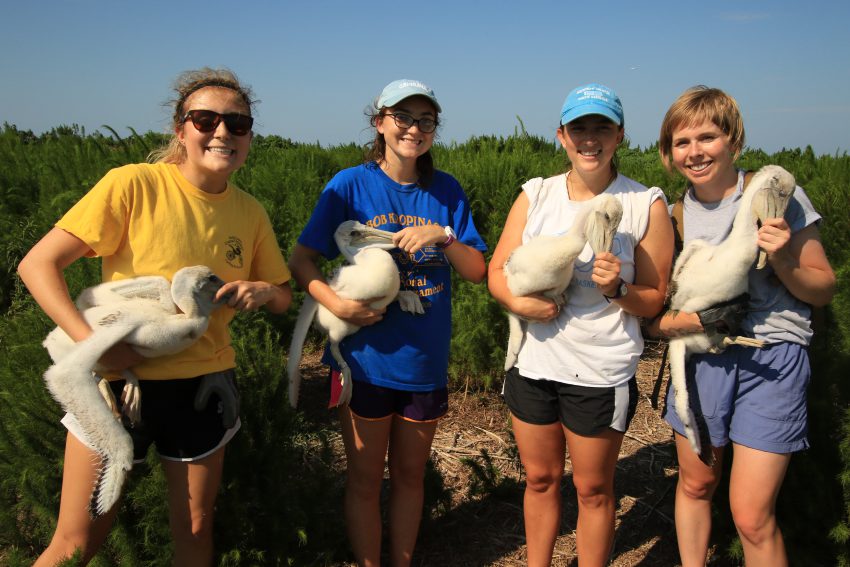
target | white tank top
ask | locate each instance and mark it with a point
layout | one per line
(592, 342)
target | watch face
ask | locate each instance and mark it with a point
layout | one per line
(624, 289)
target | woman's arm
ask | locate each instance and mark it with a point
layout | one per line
(799, 261)
(42, 271)
(305, 270)
(672, 324)
(250, 296)
(466, 260)
(533, 307)
(653, 258)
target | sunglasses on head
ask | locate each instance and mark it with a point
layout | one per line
(207, 121)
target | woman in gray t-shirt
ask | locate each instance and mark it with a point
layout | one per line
(755, 398)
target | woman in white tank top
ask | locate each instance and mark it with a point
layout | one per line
(573, 386)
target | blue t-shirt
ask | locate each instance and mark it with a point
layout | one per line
(403, 351)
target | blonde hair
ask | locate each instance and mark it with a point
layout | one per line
(185, 85)
(696, 105)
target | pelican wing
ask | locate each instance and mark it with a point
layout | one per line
(156, 289)
(72, 383)
(694, 248)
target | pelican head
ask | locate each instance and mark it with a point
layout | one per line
(772, 188)
(352, 236)
(193, 290)
(603, 218)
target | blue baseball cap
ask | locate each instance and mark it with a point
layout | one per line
(401, 89)
(592, 99)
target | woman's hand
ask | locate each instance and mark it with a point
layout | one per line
(606, 273)
(414, 238)
(360, 313)
(773, 237)
(250, 296)
(535, 308)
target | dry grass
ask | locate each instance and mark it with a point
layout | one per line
(485, 528)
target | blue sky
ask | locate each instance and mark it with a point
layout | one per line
(316, 64)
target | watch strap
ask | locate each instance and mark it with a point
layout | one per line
(450, 238)
(617, 294)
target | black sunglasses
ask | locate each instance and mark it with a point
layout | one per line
(404, 120)
(207, 121)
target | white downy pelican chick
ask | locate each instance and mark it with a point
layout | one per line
(544, 264)
(150, 314)
(370, 273)
(705, 275)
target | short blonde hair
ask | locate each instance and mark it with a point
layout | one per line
(695, 105)
(185, 85)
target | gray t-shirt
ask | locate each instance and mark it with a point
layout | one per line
(775, 315)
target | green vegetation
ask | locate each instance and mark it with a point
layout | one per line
(281, 500)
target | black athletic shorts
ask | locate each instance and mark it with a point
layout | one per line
(170, 422)
(583, 410)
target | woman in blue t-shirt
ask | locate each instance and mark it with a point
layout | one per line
(399, 366)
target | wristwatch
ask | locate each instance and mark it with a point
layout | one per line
(450, 238)
(622, 290)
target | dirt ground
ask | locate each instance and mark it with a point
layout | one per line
(484, 527)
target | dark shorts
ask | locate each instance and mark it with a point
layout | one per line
(170, 422)
(581, 409)
(751, 396)
(369, 401)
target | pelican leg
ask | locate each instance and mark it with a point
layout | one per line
(516, 332)
(108, 396)
(131, 397)
(678, 356)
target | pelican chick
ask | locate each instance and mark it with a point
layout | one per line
(705, 275)
(155, 318)
(544, 264)
(370, 273)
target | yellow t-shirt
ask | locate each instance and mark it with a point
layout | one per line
(147, 219)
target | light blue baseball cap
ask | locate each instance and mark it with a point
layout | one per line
(401, 89)
(592, 99)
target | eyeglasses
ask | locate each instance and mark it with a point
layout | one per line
(207, 121)
(402, 120)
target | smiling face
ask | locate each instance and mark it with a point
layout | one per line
(703, 154)
(211, 157)
(590, 141)
(404, 145)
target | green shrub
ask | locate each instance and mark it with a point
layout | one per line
(280, 501)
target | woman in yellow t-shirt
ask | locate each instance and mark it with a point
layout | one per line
(153, 219)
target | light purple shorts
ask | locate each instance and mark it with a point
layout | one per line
(753, 397)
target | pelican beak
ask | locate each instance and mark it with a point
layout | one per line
(212, 285)
(602, 240)
(771, 202)
(366, 236)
